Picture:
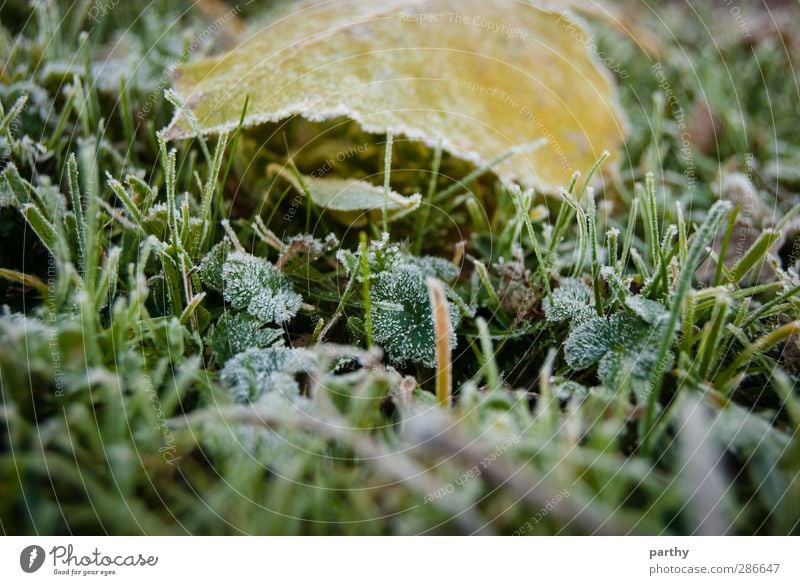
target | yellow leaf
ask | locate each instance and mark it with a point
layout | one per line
(349, 199)
(483, 77)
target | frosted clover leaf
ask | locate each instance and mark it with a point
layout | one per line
(256, 286)
(237, 332)
(435, 266)
(253, 373)
(211, 265)
(571, 302)
(624, 347)
(650, 311)
(402, 318)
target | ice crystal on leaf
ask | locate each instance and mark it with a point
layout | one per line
(650, 311)
(212, 263)
(571, 302)
(255, 372)
(402, 316)
(434, 266)
(256, 286)
(623, 346)
(236, 332)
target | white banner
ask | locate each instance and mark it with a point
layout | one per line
(400, 561)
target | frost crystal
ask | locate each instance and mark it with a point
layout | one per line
(402, 318)
(211, 265)
(623, 346)
(650, 311)
(571, 302)
(237, 332)
(256, 372)
(258, 287)
(434, 266)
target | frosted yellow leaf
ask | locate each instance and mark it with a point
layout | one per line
(349, 199)
(481, 76)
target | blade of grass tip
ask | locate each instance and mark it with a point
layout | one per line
(26, 280)
(276, 206)
(723, 248)
(77, 209)
(107, 282)
(740, 315)
(761, 345)
(592, 226)
(754, 255)
(79, 17)
(226, 225)
(42, 227)
(189, 312)
(235, 141)
(306, 192)
(592, 171)
(426, 204)
(169, 160)
(365, 288)
(212, 185)
(787, 217)
(687, 334)
(122, 194)
(52, 141)
(682, 236)
(483, 274)
(561, 218)
(172, 97)
(80, 105)
(660, 273)
(229, 165)
(701, 241)
(709, 348)
(489, 368)
(442, 329)
(387, 174)
(639, 264)
(22, 191)
(90, 89)
(185, 225)
(626, 246)
(612, 245)
(763, 309)
(655, 235)
(126, 117)
(480, 171)
(477, 217)
(582, 230)
(15, 110)
(340, 307)
(565, 214)
(524, 206)
(318, 328)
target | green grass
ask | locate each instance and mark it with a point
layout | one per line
(188, 346)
